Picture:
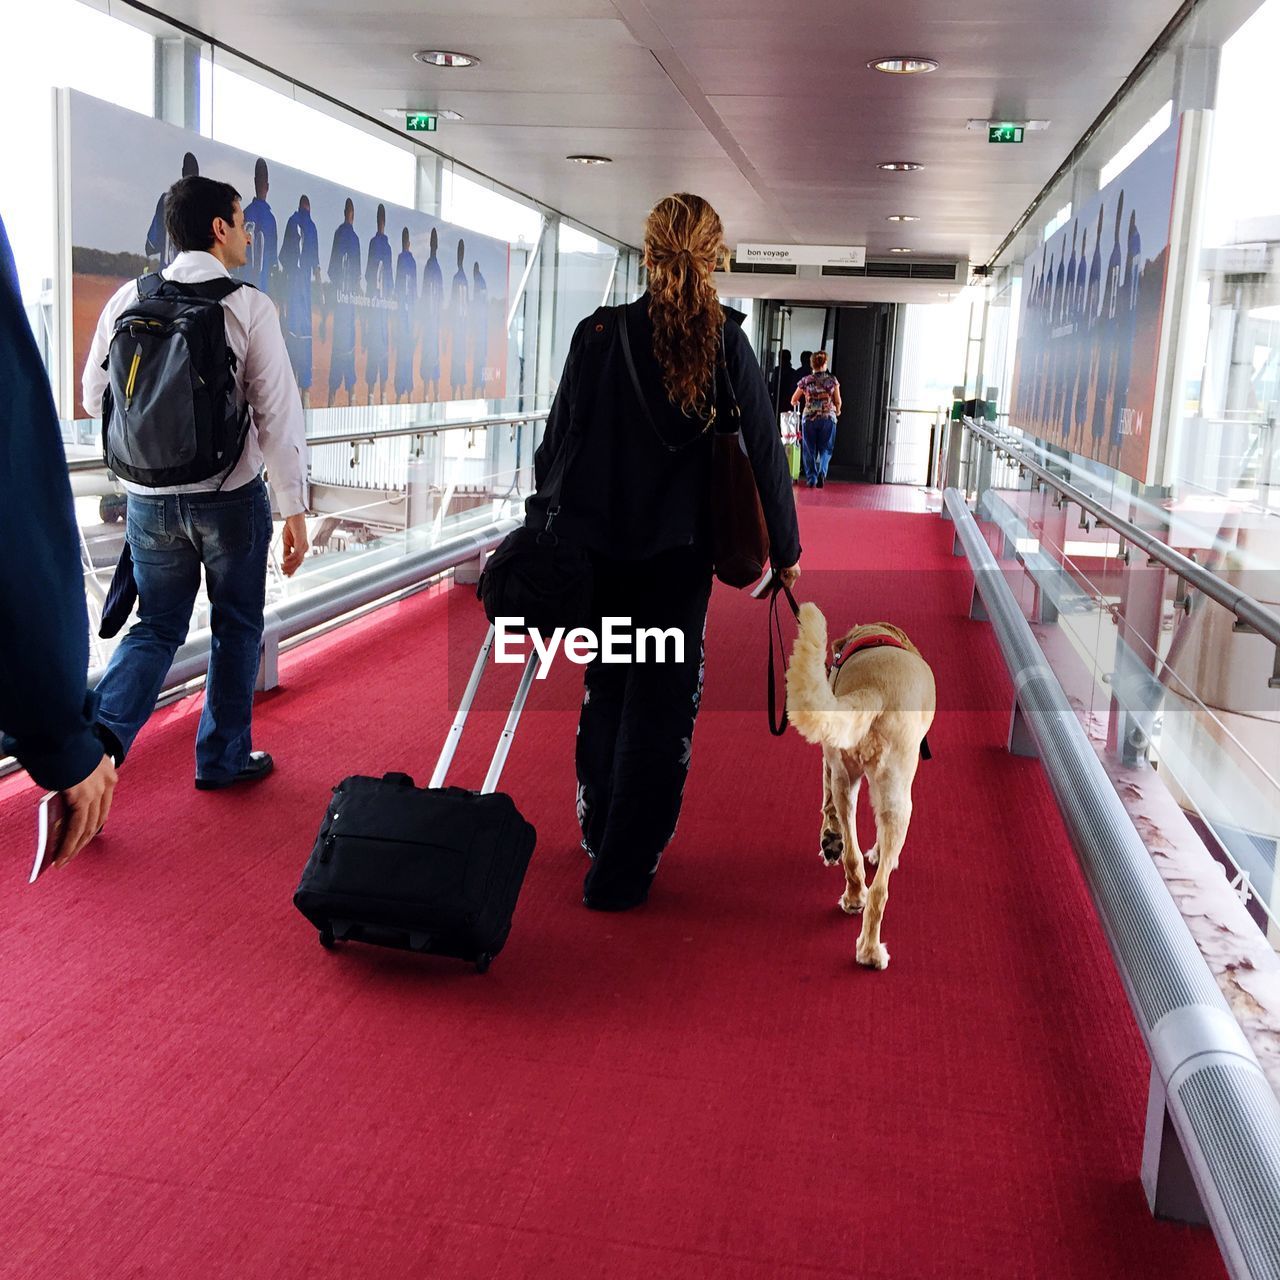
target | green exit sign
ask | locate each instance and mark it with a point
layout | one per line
(425, 122)
(1004, 133)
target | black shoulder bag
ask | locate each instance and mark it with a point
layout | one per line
(541, 574)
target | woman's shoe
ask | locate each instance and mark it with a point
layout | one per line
(613, 897)
(607, 902)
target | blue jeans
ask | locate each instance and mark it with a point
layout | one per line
(817, 441)
(171, 536)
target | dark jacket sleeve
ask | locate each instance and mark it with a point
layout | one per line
(45, 712)
(764, 446)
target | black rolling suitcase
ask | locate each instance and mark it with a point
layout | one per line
(435, 869)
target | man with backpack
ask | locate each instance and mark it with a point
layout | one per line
(192, 374)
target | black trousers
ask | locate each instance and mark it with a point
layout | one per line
(635, 733)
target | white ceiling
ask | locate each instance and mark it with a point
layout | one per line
(766, 109)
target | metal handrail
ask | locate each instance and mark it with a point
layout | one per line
(290, 618)
(428, 429)
(75, 465)
(1250, 614)
(1206, 1081)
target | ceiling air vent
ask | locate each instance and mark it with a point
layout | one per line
(759, 268)
(897, 270)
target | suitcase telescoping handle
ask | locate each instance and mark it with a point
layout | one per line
(502, 750)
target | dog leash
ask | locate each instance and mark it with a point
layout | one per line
(777, 726)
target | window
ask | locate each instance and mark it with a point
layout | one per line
(1059, 220)
(49, 45)
(255, 118)
(472, 205)
(1137, 144)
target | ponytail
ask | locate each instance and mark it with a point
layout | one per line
(683, 240)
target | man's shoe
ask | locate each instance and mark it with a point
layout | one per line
(256, 768)
(821, 481)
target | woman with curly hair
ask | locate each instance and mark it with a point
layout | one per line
(641, 389)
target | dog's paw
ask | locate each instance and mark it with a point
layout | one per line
(851, 905)
(873, 957)
(872, 856)
(832, 847)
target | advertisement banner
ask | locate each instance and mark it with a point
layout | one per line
(1093, 300)
(379, 304)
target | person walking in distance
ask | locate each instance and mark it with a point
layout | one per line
(221, 523)
(819, 392)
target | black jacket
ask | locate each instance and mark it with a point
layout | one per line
(44, 630)
(627, 495)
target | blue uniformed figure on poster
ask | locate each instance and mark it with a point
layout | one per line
(1080, 344)
(260, 226)
(406, 308)
(344, 288)
(1126, 336)
(458, 297)
(1093, 317)
(479, 330)
(157, 244)
(378, 284)
(1110, 337)
(1061, 425)
(1044, 382)
(300, 262)
(430, 302)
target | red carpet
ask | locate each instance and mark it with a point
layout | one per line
(709, 1087)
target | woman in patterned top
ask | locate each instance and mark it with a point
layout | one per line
(819, 392)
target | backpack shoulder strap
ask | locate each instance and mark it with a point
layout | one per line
(214, 290)
(149, 285)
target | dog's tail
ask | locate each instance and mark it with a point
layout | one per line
(816, 712)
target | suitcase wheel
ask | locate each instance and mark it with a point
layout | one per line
(483, 961)
(326, 937)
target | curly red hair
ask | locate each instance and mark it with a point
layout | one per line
(683, 245)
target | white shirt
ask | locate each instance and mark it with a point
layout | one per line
(264, 381)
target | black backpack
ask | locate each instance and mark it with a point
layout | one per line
(170, 414)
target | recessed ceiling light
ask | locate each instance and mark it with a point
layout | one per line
(899, 166)
(590, 159)
(445, 58)
(903, 66)
(899, 250)
(902, 217)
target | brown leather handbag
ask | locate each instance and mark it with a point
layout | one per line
(739, 535)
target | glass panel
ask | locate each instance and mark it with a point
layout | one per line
(1157, 671)
(49, 45)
